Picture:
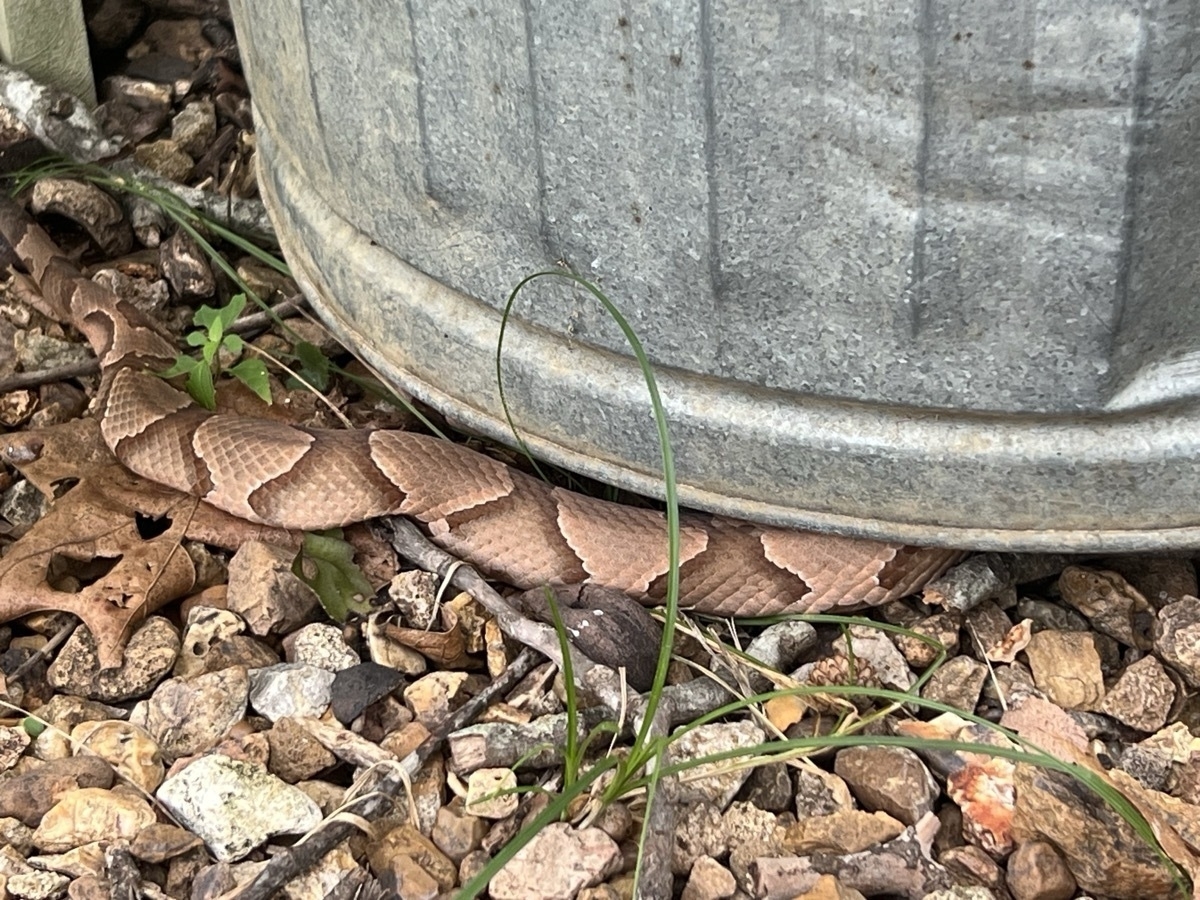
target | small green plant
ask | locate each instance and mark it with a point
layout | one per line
(211, 337)
(312, 366)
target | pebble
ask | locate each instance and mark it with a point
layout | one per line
(491, 793)
(875, 648)
(37, 885)
(559, 862)
(320, 645)
(406, 880)
(326, 795)
(22, 505)
(989, 623)
(149, 657)
(295, 754)
(86, 859)
(942, 627)
(265, 591)
(235, 806)
(709, 880)
(13, 742)
(16, 834)
(128, 748)
(818, 793)
(1037, 872)
(845, 831)
(190, 716)
(699, 831)
(749, 833)
(165, 158)
(358, 686)
(958, 682)
(205, 627)
(194, 126)
(92, 814)
(405, 840)
(458, 833)
(769, 787)
(238, 650)
(829, 888)
(388, 652)
(1142, 696)
(1047, 616)
(290, 689)
(1066, 667)
(891, 779)
(707, 781)
(163, 841)
(434, 696)
(615, 820)
(29, 795)
(974, 865)
(415, 595)
(1110, 603)
(1178, 637)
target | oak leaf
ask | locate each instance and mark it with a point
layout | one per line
(118, 535)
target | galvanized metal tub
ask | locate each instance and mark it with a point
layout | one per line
(927, 273)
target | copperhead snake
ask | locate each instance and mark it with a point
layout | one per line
(511, 526)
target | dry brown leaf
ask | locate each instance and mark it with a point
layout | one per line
(1013, 643)
(446, 648)
(786, 710)
(126, 530)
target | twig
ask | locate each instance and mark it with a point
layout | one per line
(264, 319)
(45, 650)
(539, 744)
(377, 801)
(23, 380)
(536, 745)
(410, 543)
(246, 216)
(988, 574)
(250, 324)
(59, 120)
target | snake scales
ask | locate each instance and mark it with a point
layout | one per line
(511, 526)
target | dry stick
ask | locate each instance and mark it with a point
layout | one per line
(44, 651)
(245, 325)
(678, 703)
(264, 319)
(988, 574)
(300, 858)
(23, 380)
(410, 543)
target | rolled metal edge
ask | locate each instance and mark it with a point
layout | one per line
(1124, 482)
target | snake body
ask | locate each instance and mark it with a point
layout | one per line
(509, 525)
